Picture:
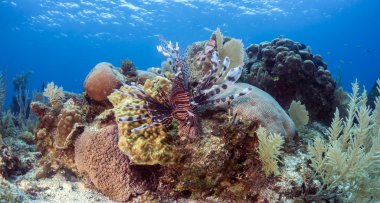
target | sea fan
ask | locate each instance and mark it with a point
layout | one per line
(182, 102)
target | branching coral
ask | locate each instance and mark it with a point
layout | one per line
(348, 163)
(269, 150)
(53, 92)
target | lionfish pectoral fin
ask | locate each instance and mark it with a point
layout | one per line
(143, 127)
(128, 119)
(229, 98)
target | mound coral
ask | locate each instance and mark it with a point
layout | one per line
(280, 66)
(101, 81)
(260, 108)
(98, 157)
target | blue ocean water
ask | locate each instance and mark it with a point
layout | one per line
(61, 41)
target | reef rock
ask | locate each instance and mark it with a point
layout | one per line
(288, 71)
(9, 162)
(97, 156)
(101, 81)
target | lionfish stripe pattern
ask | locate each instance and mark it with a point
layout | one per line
(134, 118)
(182, 102)
(138, 107)
(229, 98)
(143, 127)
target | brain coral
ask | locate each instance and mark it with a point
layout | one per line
(101, 81)
(97, 155)
(258, 106)
(280, 66)
(149, 146)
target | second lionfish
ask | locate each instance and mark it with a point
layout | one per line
(183, 101)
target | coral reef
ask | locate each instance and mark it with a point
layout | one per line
(101, 81)
(188, 132)
(97, 156)
(61, 121)
(280, 66)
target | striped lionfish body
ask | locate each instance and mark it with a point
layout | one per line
(182, 102)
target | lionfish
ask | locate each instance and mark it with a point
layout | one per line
(183, 101)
